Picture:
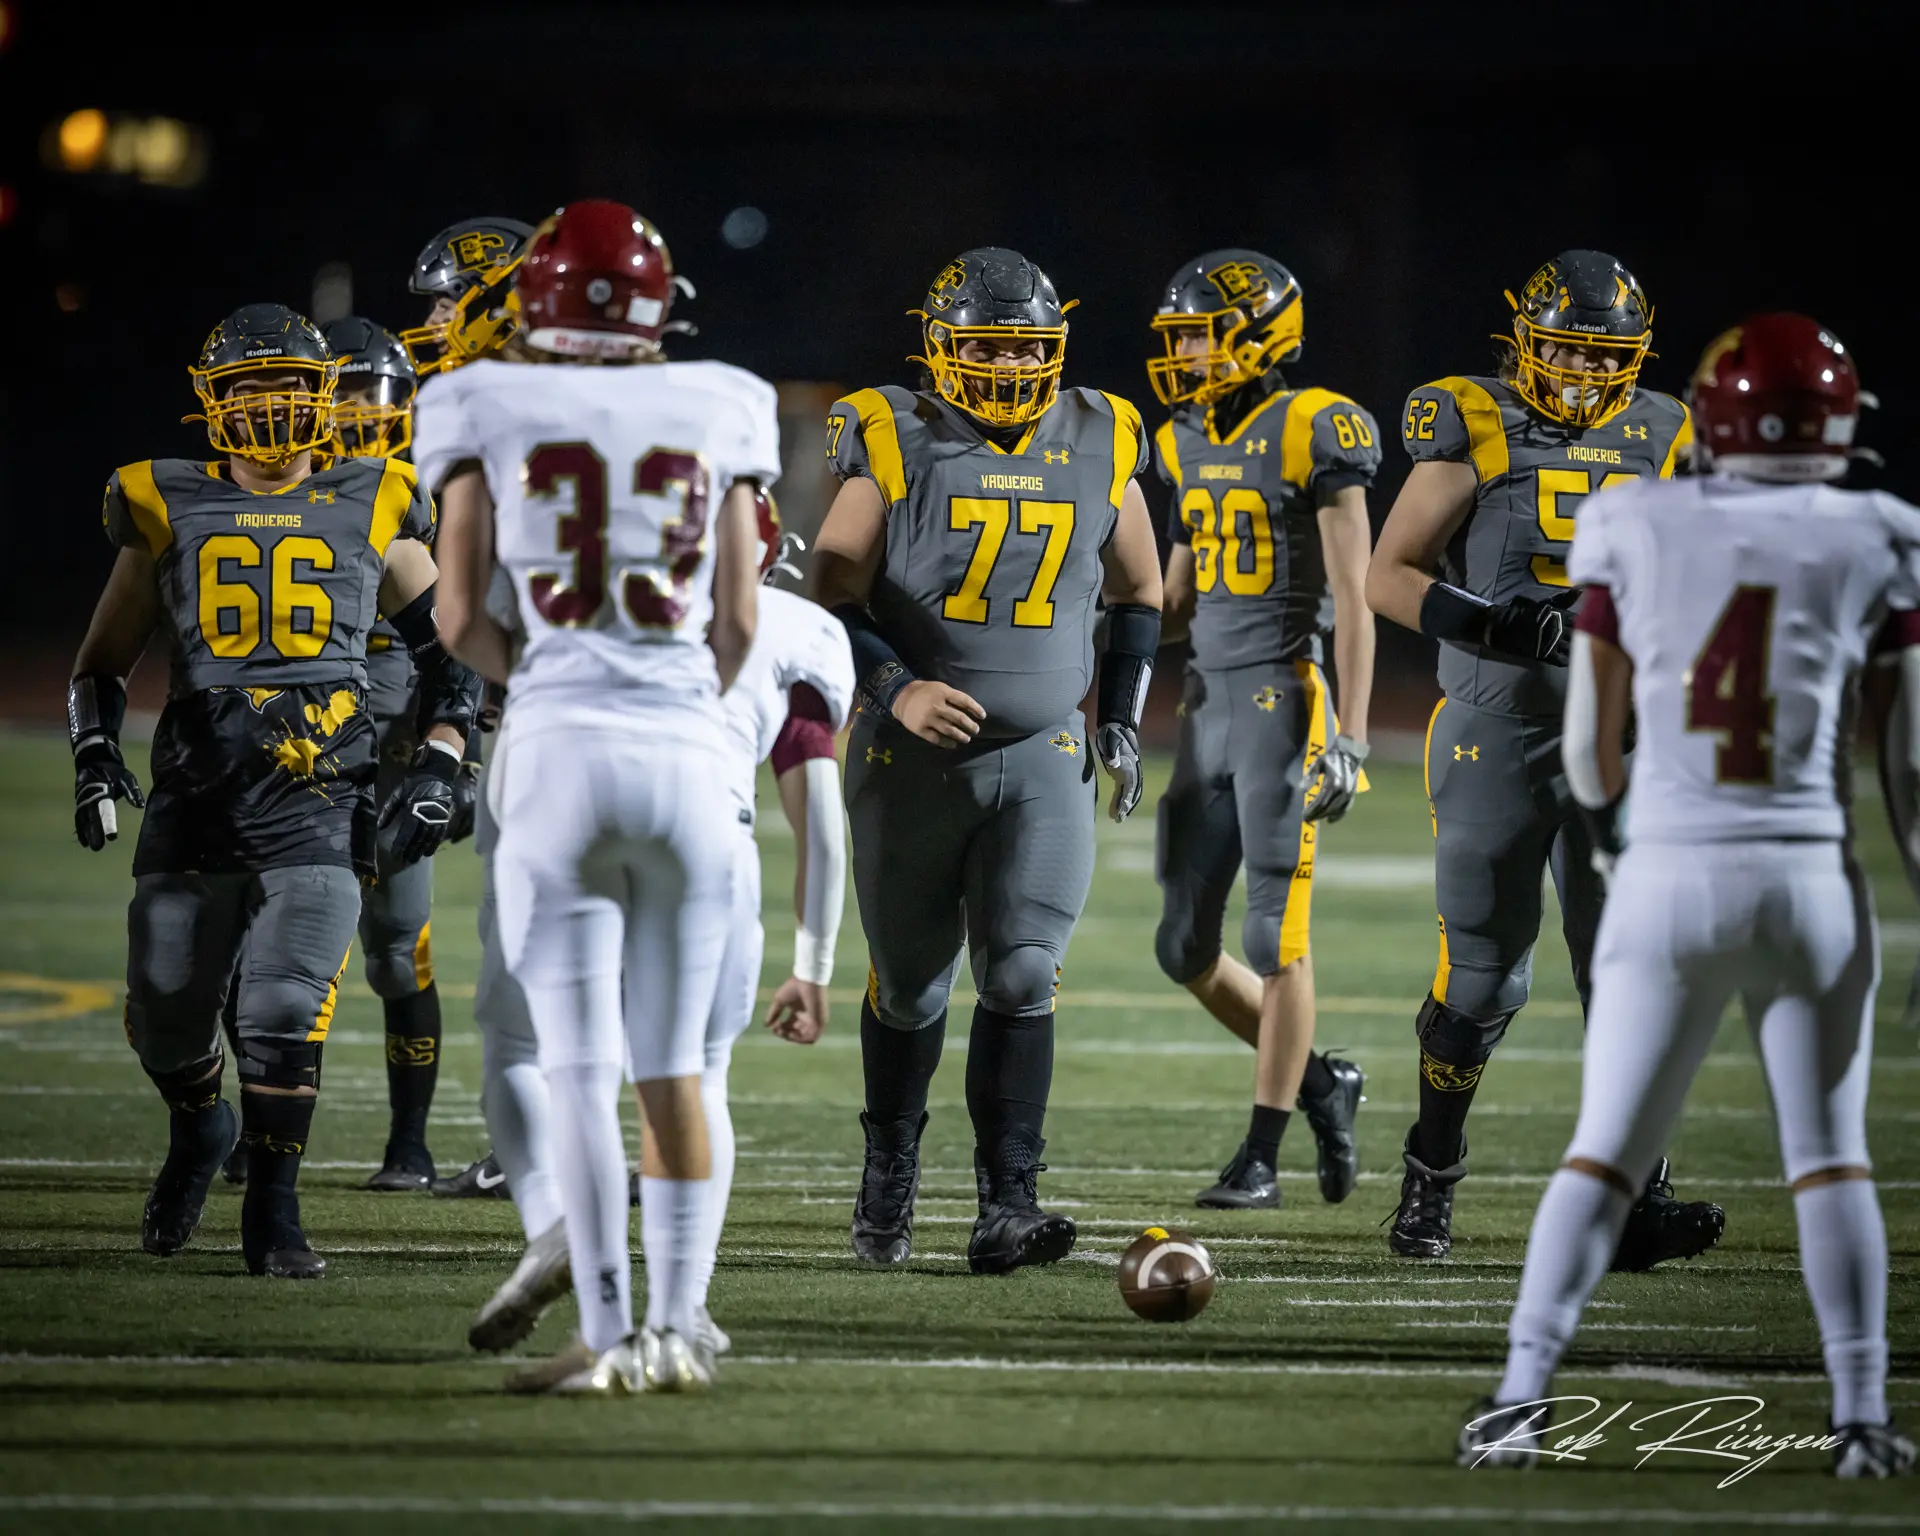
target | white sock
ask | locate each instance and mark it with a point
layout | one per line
(719, 1184)
(515, 1105)
(672, 1215)
(591, 1166)
(1843, 1254)
(1575, 1232)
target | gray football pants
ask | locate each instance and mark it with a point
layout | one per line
(289, 930)
(989, 847)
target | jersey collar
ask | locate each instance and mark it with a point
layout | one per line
(1246, 421)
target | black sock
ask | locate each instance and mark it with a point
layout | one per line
(1264, 1133)
(274, 1129)
(1441, 1136)
(899, 1065)
(413, 1063)
(192, 1095)
(1316, 1082)
(1009, 1074)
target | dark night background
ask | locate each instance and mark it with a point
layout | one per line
(1407, 161)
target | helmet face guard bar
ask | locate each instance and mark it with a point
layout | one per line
(1581, 397)
(266, 427)
(1001, 394)
(1235, 348)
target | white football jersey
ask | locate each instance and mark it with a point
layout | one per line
(604, 481)
(794, 641)
(1746, 608)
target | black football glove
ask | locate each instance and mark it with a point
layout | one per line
(418, 816)
(466, 799)
(1603, 832)
(1338, 775)
(1534, 628)
(100, 777)
(1118, 746)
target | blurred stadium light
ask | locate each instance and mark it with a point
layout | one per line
(332, 293)
(159, 151)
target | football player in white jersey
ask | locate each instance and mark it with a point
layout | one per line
(592, 483)
(1731, 614)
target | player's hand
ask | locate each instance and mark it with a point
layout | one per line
(100, 777)
(419, 814)
(798, 1011)
(466, 799)
(1338, 774)
(1118, 747)
(1603, 835)
(942, 716)
(1535, 628)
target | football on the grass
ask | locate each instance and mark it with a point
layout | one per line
(1166, 1276)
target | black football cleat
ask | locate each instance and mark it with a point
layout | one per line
(1660, 1227)
(1872, 1450)
(1493, 1436)
(1336, 1158)
(477, 1181)
(270, 1237)
(883, 1210)
(1012, 1232)
(234, 1169)
(407, 1168)
(196, 1148)
(1248, 1183)
(1423, 1225)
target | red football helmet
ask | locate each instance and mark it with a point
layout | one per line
(597, 281)
(1776, 398)
(776, 544)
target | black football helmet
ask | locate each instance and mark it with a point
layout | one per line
(469, 267)
(373, 414)
(1585, 300)
(984, 294)
(268, 427)
(1225, 318)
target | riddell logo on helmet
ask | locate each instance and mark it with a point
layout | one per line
(474, 249)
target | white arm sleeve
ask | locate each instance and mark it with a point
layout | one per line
(1580, 734)
(826, 834)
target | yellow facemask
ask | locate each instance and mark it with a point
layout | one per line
(999, 394)
(269, 427)
(1581, 397)
(1236, 350)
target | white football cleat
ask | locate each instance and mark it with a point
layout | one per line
(1496, 1436)
(710, 1334)
(670, 1363)
(541, 1278)
(577, 1372)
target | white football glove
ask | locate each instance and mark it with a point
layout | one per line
(1338, 775)
(1118, 747)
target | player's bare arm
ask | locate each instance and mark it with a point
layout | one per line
(852, 542)
(736, 581)
(123, 621)
(411, 575)
(1346, 544)
(1429, 510)
(464, 555)
(1178, 594)
(1131, 559)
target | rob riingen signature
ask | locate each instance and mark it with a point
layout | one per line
(1722, 1428)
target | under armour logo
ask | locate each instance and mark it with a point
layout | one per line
(1265, 699)
(320, 497)
(1638, 433)
(1256, 445)
(879, 754)
(1047, 454)
(1466, 754)
(609, 1287)
(1065, 743)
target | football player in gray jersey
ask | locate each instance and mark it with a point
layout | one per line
(1473, 554)
(265, 576)
(1270, 546)
(979, 521)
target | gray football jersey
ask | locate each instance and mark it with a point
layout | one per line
(1533, 474)
(1247, 503)
(992, 565)
(266, 591)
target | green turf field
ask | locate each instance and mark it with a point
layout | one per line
(1322, 1386)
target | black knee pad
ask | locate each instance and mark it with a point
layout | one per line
(279, 1063)
(1454, 1046)
(1183, 951)
(190, 1089)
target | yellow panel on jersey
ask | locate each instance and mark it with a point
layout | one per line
(1247, 421)
(882, 438)
(148, 506)
(1442, 971)
(1681, 446)
(1426, 765)
(1127, 442)
(390, 504)
(1296, 437)
(323, 1020)
(1486, 438)
(1169, 450)
(1294, 926)
(423, 959)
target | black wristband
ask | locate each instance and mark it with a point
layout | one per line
(1126, 668)
(449, 688)
(1447, 613)
(881, 672)
(96, 709)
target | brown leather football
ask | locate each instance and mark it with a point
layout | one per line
(1166, 1276)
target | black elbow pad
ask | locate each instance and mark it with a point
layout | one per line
(449, 689)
